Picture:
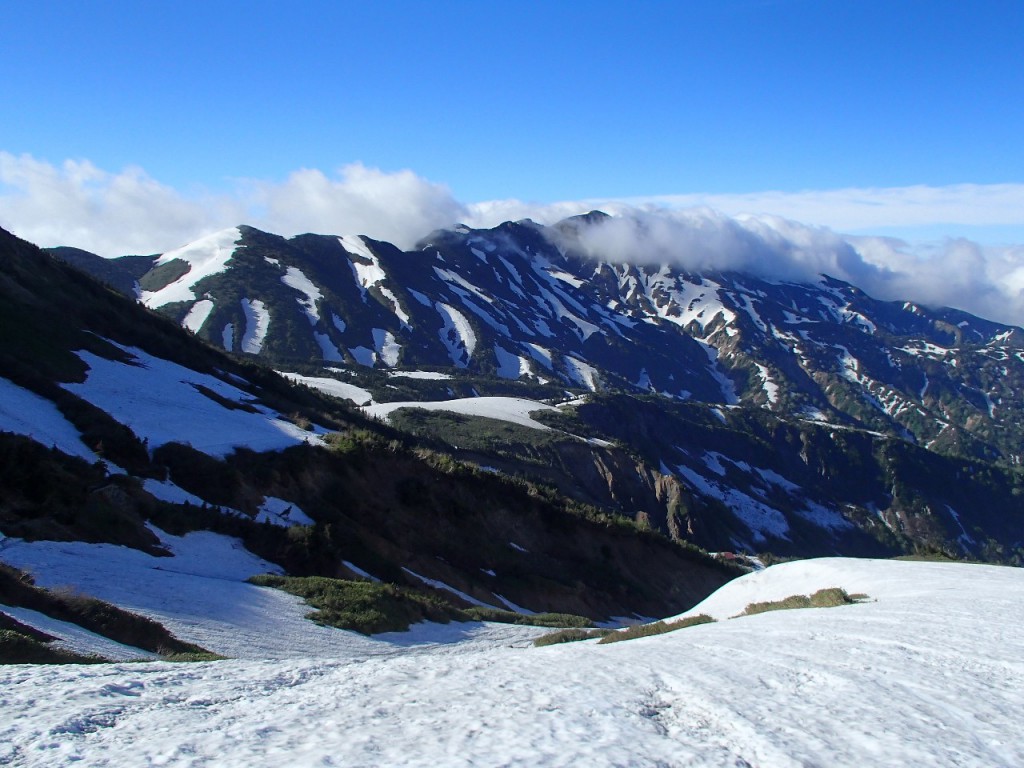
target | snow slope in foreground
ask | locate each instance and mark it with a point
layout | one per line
(930, 674)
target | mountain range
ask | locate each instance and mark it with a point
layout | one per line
(731, 410)
(119, 427)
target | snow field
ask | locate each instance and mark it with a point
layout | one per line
(26, 413)
(930, 674)
(74, 638)
(201, 596)
(331, 387)
(160, 402)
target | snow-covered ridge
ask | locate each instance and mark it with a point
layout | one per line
(207, 256)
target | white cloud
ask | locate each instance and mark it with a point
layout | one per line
(985, 280)
(398, 207)
(78, 204)
(866, 209)
(110, 214)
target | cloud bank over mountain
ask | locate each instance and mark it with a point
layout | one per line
(115, 213)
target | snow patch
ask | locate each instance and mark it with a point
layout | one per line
(457, 335)
(296, 279)
(197, 315)
(328, 349)
(541, 354)
(441, 585)
(364, 356)
(207, 256)
(257, 323)
(771, 389)
(161, 403)
(515, 410)
(25, 413)
(387, 348)
(510, 366)
(331, 387)
(427, 375)
(281, 513)
(582, 373)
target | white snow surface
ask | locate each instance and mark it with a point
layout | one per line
(165, 490)
(282, 513)
(197, 315)
(447, 588)
(582, 373)
(331, 387)
(74, 638)
(296, 278)
(928, 673)
(26, 413)
(328, 349)
(158, 400)
(456, 334)
(425, 375)
(207, 256)
(510, 366)
(364, 356)
(516, 410)
(257, 323)
(388, 349)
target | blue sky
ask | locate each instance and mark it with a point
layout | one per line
(133, 127)
(540, 101)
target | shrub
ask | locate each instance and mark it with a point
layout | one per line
(570, 636)
(657, 628)
(18, 589)
(190, 657)
(823, 598)
(372, 607)
(361, 606)
(480, 613)
(18, 648)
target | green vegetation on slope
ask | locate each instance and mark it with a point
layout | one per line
(19, 648)
(374, 607)
(829, 597)
(656, 628)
